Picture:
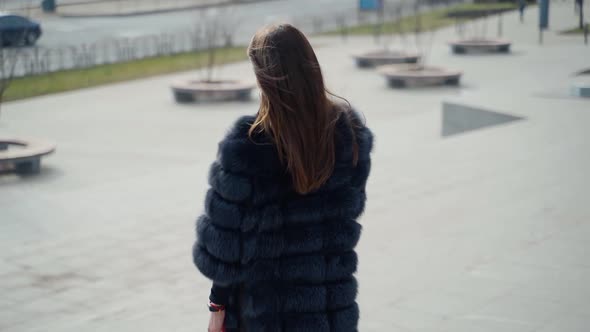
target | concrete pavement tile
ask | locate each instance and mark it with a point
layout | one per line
(473, 323)
(23, 294)
(442, 304)
(515, 273)
(77, 295)
(404, 319)
(16, 279)
(567, 323)
(484, 288)
(8, 267)
(569, 294)
(521, 310)
(7, 317)
(13, 321)
(48, 305)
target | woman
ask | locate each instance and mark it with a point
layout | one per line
(279, 230)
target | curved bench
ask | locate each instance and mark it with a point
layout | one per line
(480, 46)
(27, 159)
(380, 58)
(581, 89)
(401, 76)
(196, 91)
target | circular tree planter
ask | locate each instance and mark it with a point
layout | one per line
(384, 57)
(581, 89)
(480, 46)
(400, 76)
(581, 85)
(212, 91)
(23, 156)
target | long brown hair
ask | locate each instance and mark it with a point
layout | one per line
(295, 110)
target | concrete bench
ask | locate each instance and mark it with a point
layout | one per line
(581, 89)
(215, 91)
(380, 58)
(401, 76)
(480, 46)
(26, 159)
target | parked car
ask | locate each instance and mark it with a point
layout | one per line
(17, 30)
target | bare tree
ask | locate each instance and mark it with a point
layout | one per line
(229, 26)
(217, 29)
(417, 25)
(342, 24)
(8, 61)
(423, 46)
(580, 4)
(477, 28)
(394, 16)
(211, 33)
(9, 57)
(195, 37)
(378, 27)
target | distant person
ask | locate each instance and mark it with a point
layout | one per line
(279, 230)
(521, 8)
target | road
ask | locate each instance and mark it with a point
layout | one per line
(75, 31)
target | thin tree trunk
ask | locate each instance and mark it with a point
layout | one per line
(1, 100)
(211, 63)
(581, 9)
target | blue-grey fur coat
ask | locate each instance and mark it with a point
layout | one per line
(289, 258)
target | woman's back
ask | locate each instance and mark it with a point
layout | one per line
(289, 256)
(279, 229)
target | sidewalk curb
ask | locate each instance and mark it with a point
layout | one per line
(159, 11)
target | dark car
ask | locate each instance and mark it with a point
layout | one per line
(17, 30)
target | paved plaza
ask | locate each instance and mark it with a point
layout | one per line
(484, 231)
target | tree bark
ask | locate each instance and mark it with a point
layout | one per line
(581, 9)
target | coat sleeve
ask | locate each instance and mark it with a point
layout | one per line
(217, 252)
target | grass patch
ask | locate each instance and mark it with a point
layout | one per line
(430, 20)
(68, 80)
(573, 31)
(483, 6)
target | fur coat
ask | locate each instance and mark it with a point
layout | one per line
(289, 258)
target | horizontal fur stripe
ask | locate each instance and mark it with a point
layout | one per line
(221, 243)
(238, 188)
(296, 297)
(342, 320)
(312, 268)
(215, 269)
(313, 208)
(232, 187)
(222, 212)
(224, 244)
(331, 236)
(343, 203)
